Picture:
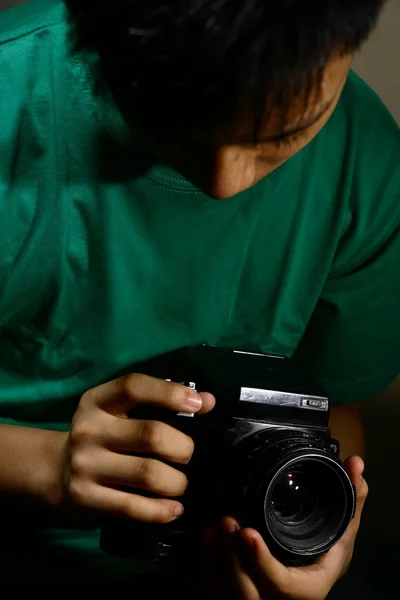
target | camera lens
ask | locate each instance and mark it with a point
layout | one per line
(294, 498)
(308, 505)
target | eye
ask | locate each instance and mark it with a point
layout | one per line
(288, 142)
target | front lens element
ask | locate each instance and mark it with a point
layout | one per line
(294, 498)
(308, 505)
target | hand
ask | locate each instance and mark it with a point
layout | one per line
(106, 449)
(241, 567)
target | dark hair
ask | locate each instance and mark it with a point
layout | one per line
(190, 64)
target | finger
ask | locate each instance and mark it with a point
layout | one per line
(335, 563)
(230, 525)
(146, 437)
(341, 554)
(362, 495)
(238, 575)
(273, 579)
(268, 571)
(208, 402)
(128, 391)
(122, 504)
(355, 469)
(143, 473)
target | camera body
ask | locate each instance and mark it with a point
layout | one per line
(264, 454)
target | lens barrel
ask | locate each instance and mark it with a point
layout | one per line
(297, 493)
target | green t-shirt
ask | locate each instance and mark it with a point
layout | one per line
(107, 259)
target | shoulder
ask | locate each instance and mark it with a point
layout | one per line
(35, 75)
(368, 152)
(28, 17)
(370, 125)
(47, 101)
(373, 136)
(50, 119)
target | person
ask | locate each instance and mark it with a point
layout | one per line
(175, 174)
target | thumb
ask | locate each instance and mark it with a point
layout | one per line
(355, 469)
(354, 466)
(335, 563)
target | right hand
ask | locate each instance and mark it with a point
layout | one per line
(106, 450)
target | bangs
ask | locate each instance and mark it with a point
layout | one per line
(200, 65)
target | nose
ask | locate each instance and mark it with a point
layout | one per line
(233, 171)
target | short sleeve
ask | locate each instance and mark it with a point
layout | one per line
(352, 343)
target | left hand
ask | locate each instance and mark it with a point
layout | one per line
(240, 566)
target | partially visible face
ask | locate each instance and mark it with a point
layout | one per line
(225, 169)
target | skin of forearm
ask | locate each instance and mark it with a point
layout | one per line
(30, 464)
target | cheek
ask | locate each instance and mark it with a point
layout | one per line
(263, 170)
(271, 161)
(267, 164)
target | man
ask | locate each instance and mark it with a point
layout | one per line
(177, 173)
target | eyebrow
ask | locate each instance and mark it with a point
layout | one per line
(291, 132)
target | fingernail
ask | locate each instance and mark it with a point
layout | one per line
(231, 527)
(194, 401)
(178, 510)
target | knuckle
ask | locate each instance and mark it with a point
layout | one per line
(82, 432)
(129, 507)
(149, 472)
(131, 383)
(153, 435)
(79, 464)
(171, 393)
(78, 492)
(88, 398)
(283, 587)
(362, 495)
(364, 490)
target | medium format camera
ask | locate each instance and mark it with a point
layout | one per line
(264, 455)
